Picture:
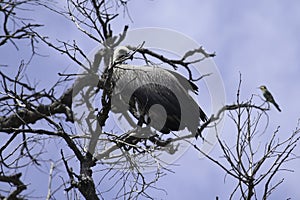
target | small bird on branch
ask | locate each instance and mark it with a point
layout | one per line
(268, 96)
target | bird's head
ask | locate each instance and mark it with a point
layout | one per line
(263, 88)
(121, 53)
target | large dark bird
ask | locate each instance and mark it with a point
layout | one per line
(154, 96)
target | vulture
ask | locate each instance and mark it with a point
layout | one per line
(156, 97)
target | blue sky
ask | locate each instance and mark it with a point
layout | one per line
(259, 39)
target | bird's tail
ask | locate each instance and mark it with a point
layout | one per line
(277, 106)
(203, 116)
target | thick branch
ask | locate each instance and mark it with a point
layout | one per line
(15, 180)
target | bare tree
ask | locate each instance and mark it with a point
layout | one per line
(255, 157)
(15, 27)
(33, 119)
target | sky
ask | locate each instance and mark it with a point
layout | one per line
(255, 38)
(258, 39)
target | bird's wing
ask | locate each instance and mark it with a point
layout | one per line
(192, 86)
(268, 96)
